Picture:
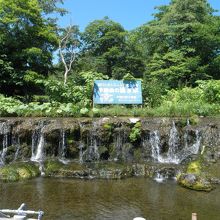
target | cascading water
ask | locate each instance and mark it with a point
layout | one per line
(93, 143)
(165, 173)
(39, 153)
(4, 130)
(81, 146)
(62, 147)
(16, 143)
(174, 154)
(155, 144)
(118, 142)
(38, 142)
(163, 142)
(190, 150)
(173, 145)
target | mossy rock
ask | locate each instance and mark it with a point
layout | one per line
(107, 126)
(111, 170)
(8, 174)
(33, 168)
(194, 182)
(194, 167)
(55, 168)
(138, 154)
(15, 172)
(52, 166)
(194, 119)
(24, 173)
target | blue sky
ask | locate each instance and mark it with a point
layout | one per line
(129, 13)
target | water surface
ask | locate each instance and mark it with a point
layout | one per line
(110, 199)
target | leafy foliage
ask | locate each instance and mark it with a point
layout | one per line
(135, 133)
(27, 40)
(176, 55)
(181, 44)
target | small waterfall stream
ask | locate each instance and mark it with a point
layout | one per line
(62, 147)
(90, 142)
(38, 142)
(81, 146)
(190, 150)
(118, 144)
(93, 142)
(40, 147)
(119, 141)
(173, 145)
(16, 142)
(155, 145)
(175, 153)
(4, 131)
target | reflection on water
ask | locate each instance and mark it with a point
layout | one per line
(110, 199)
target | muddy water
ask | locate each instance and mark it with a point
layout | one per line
(110, 199)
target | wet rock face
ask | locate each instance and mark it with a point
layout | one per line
(163, 140)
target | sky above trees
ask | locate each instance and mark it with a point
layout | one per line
(129, 13)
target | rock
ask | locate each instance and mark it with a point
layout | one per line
(134, 120)
(18, 171)
(214, 180)
(165, 173)
(194, 181)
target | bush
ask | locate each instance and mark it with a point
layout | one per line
(135, 133)
(211, 90)
(186, 102)
(84, 112)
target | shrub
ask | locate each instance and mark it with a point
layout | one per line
(135, 133)
(84, 111)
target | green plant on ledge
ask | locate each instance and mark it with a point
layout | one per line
(135, 133)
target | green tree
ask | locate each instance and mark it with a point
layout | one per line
(104, 41)
(108, 50)
(182, 43)
(27, 40)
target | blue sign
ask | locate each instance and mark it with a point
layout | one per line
(117, 92)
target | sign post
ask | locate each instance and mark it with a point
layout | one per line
(117, 92)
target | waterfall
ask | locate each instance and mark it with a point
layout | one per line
(160, 177)
(38, 142)
(2, 156)
(4, 130)
(118, 142)
(186, 134)
(164, 174)
(174, 154)
(93, 143)
(93, 147)
(190, 150)
(40, 147)
(155, 144)
(16, 143)
(37, 145)
(81, 146)
(173, 145)
(62, 147)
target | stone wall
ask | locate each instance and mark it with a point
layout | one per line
(165, 140)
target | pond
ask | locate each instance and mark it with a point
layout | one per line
(110, 199)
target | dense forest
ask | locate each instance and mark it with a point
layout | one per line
(176, 55)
